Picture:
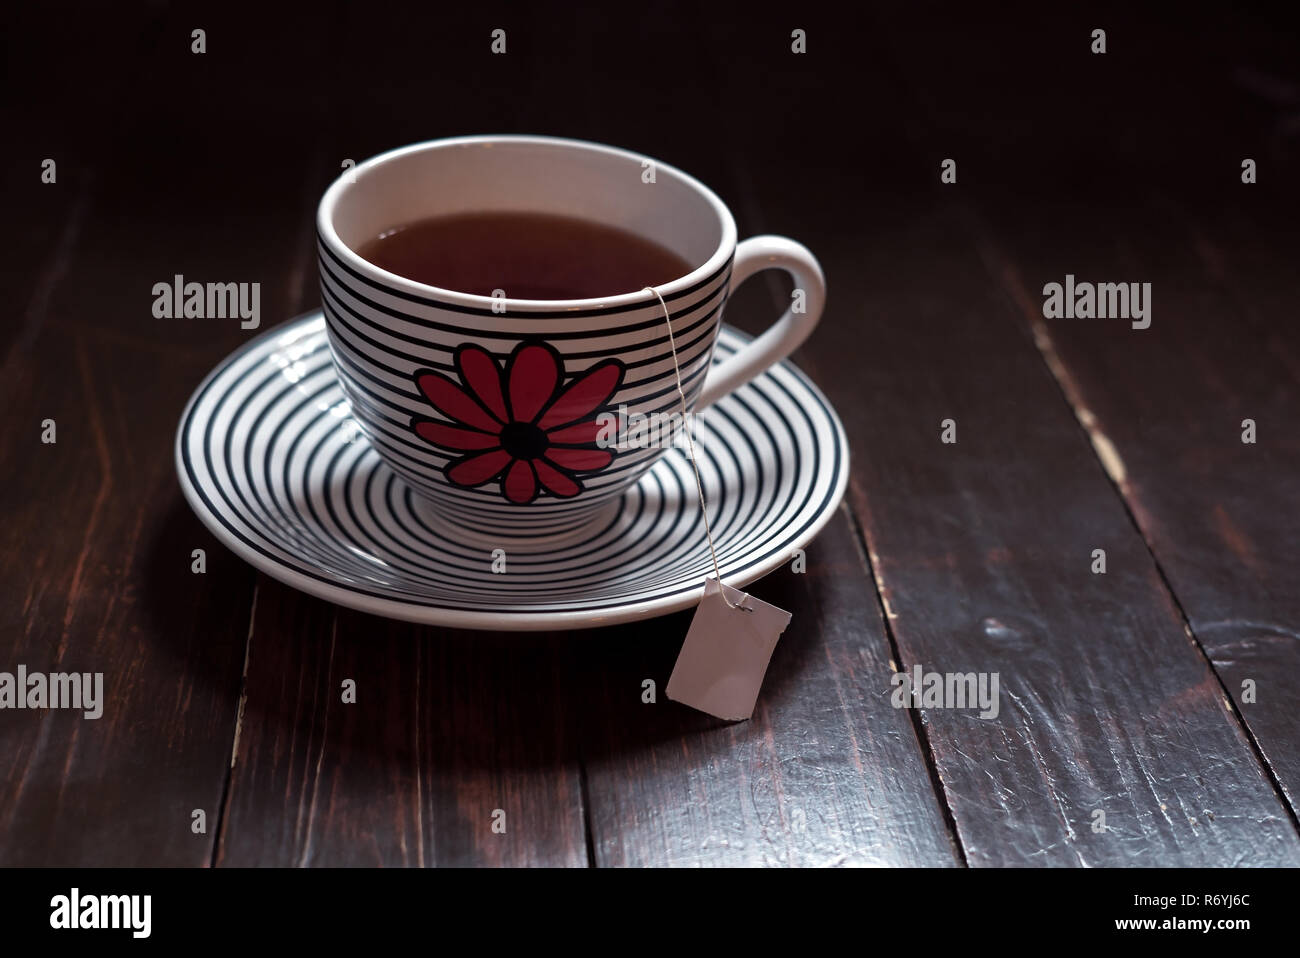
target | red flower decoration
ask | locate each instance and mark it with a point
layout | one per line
(522, 424)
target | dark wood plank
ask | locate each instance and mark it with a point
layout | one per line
(1220, 515)
(47, 216)
(1254, 262)
(825, 773)
(98, 576)
(984, 556)
(1247, 252)
(1158, 199)
(50, 113)
(446, 729)
(982, 549)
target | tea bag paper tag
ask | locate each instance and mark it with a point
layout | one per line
(725, 656)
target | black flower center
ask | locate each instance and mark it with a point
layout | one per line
(523, 440)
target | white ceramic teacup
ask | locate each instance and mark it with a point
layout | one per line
(490, 408)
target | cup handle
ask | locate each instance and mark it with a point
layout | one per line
(785, 335)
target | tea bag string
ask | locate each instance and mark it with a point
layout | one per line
(699, 484)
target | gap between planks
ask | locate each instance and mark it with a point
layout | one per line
(866, 557)
(239, 724)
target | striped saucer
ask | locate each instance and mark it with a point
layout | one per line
(272, 463)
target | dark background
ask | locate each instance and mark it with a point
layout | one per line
(1120, 692)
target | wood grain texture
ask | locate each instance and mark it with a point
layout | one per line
(1254, 264)
(98, 577)
(982, 551)
(827, 772)
(446, 729)
(1220, 514)
(1106, 703)
(1161, 202)
(1111, 705)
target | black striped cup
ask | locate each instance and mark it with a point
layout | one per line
(524, 417)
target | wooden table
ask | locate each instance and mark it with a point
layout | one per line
(1121, 692)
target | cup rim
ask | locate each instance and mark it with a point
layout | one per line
(697, 276)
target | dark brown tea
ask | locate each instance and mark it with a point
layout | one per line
(526, 255)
